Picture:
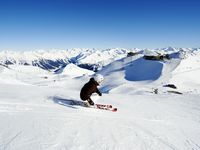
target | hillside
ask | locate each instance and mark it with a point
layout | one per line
(36, 113)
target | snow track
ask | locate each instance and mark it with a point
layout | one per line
(49, 126)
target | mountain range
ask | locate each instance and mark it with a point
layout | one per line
(92, 59)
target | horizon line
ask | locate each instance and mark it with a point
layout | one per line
(83, 48)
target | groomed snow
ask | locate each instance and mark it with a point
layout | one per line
(32, 117)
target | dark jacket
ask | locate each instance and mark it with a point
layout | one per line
(88, 89)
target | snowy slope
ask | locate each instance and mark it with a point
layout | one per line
(131, 71)
(74, 71)
(33, 117)
(186, 76)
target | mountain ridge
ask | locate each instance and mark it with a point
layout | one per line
(92, 59)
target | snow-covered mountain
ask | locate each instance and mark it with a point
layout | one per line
(92, 59)
(52, 60)
(37, 111)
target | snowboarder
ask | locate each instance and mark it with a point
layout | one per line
(91, 87)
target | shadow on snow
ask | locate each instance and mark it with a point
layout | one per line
(67, 102)
(141, 70)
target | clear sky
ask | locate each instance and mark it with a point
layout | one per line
(62, 24)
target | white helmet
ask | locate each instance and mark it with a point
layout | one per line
(98, 78)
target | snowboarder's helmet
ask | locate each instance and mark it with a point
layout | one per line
(98, 78)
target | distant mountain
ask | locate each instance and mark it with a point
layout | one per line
(92, 59)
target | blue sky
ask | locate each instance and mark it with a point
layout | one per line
(62, 24)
